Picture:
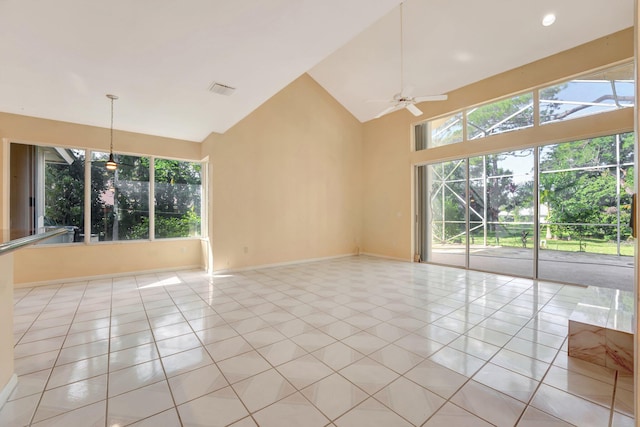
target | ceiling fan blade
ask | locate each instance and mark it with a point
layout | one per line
(413, 110)
(388, 110)
(431, 98)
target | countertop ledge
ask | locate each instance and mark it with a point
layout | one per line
(15, 244)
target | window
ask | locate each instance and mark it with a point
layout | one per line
(47, 191)
(120, 198)
(595, 93)
(500, 116)
(443, 131)
(48, 187)
(178, 188)
(63, 193)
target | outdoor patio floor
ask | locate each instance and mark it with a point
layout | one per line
(610, 271)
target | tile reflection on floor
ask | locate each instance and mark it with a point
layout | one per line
(355, 341)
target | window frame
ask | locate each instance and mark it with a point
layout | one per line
(535, 91)
(88, 152)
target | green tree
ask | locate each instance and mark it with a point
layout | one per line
(447, 200)
(64, 192)
(500, 116)
(578, 181)
(177, 198)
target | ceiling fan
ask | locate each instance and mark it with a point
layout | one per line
(403, 99)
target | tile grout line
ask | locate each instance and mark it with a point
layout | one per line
(207, 351)
(155, 344)
(613, 399)
(469, 379)
(37, 317)
(251, 414)
(409, 332)
(202, 345)
(528, 404)
(558, 350)
(290, 290)
(205, 348)
(44, 390)
(447, 400)
(106, 404)
(307, 353)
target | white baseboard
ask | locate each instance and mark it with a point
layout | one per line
(281, 264)
(386, 257)
(105, 276)
(7, 389)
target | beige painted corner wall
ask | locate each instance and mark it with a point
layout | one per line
(387, 187)
(388, 158)
(56, 262)
(286, 181)
(6, 320)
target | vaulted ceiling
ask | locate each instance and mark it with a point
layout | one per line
(59, 58)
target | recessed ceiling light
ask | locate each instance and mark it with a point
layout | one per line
(548, 19)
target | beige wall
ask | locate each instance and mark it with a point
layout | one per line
(286, 181)
(389, 161)
(6, 320)
(40, 263)
(300, 177)
(285, 185)
(62, 134)
(36, 264)
(387, 187)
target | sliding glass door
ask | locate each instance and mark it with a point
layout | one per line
(446, 225)
(501, 213)
(585, 193)
(490, 213)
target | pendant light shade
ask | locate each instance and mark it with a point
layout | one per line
(111, 163)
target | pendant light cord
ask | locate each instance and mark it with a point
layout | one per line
(111, 163)
(111, 145)
(401, 53)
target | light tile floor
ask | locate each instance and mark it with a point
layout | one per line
(355, 341)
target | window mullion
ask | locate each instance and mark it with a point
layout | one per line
(536, 107)
(88, 155)
(152, 198)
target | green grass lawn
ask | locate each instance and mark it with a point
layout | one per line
(594, 246)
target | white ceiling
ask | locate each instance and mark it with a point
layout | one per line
(59, 58)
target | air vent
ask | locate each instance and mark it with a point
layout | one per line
(221, 89)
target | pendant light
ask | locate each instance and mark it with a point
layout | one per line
(111, 163)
